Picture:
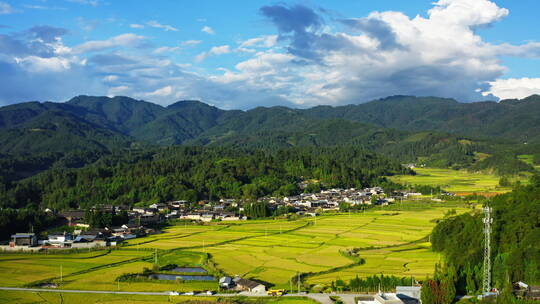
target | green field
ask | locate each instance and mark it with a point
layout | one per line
(457, 181)
(391, 240)
(18, 297)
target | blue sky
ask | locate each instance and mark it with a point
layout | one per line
(243, 54)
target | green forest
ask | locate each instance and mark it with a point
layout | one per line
(192, 173)
(196, 173)
(515, 242)
(437, 132)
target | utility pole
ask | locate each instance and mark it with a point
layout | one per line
(290, 285)
(61, 276)
(488, 220)
(298, 279)
(155, 257)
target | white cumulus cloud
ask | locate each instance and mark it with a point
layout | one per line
(216, 50)
(124, 40)
(86, 2)
(119, 90)
(5, 8)
(166, 49)
(208, 30)
(158, 25)
(514, 87)
(191, 42)
(264, 41)
(165, 91)
(313, 58)
(386, 53)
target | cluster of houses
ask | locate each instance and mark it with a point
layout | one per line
(90, 238)
(202, 211)
(139, 219)
(328, 200)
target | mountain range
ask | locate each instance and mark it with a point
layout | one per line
(406, 127)
(122, 120)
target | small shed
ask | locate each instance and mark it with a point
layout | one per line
(23, 239)
(226, 282)
(409, 293)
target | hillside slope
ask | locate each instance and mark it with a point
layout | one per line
(511, 119)
(439, 132)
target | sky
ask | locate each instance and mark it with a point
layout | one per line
(247, 53)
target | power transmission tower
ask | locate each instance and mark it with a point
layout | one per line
(488, 220)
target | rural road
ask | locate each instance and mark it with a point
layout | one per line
(322, 298)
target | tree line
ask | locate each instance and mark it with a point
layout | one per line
(196, 173)
(515, 242)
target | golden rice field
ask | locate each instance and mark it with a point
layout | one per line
(57, 298)
(457, 181)
(392, 241)
(316, 247)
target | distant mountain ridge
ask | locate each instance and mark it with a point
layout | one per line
(123, 120)
(438, 132)
(512, 119)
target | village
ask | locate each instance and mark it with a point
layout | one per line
(142, 221)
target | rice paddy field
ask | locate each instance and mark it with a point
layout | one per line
(62, 298)
(461, 182)
(391, 241)
(317, 247)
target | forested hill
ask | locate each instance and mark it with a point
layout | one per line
(515, 120)
(140, 120)
(515, 242)
(193, 173)
(442, 132)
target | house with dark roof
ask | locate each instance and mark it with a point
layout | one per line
(248, 285)
(73, 217)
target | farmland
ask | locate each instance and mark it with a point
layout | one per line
(461, 182)
(391, 241)
(59, 298)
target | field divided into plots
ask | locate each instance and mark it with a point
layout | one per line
(461, 182)
(392, 241)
